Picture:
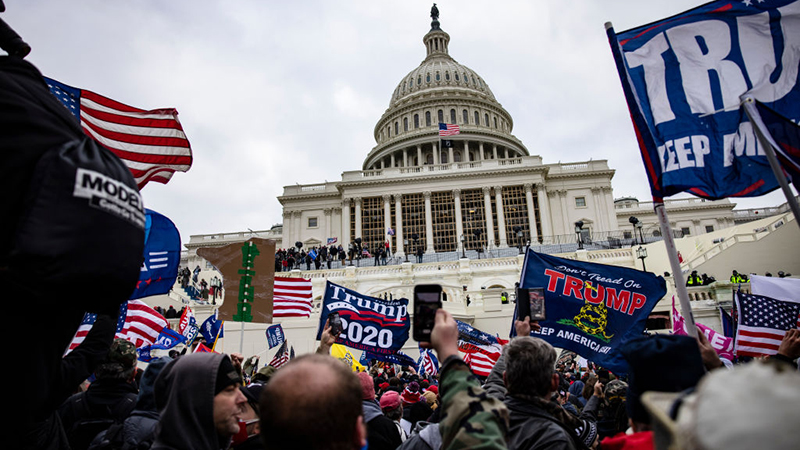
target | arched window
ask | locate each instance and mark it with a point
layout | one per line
(486, 119)
(416, 120)
(438, 77)
(405, 123)
(457, 157)
(428, 78)
(429, 158)
(495, 122)
(465, 116)
(453, 116)
(443, 158)
(389, 131)
(410, 83)
(404, 87)
(456, 74)
(441, 116)
(396, 128)
(447, 76)
(427, 118)
(477, 118)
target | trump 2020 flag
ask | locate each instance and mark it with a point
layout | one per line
(166, 340)
(212, 329)
(427, 363)
(684, 79)
(162, 254)
(369, 323)
(275, 336)
(592, 309)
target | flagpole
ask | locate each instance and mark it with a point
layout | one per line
(765, 138)
(677, 274)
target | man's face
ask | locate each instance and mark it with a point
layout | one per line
(228, 406)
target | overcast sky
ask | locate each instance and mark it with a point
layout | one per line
(276, 93)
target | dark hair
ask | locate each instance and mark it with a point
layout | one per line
(314, 391)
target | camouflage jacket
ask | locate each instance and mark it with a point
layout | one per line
(470, 418)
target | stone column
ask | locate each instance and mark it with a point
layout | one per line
(327, 212)
(562, 196)
(387, 218)
(534, 232)
(611, 212)
(435, 154)
(297, 219)
(287, 226)
(480, 149)
(398, 215)
(494, 151)
(428, 222)
(501, 220)
(599, 208)
(392, 159)
(345, 237)
(405, 157)
(419, 155)
(459, 223)
(450, 155)
(357, 201)
(487, 206)
(466, 157)
(544, 210)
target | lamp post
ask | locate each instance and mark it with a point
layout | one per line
(641, 253)
(579, 232)
(415, 237)
(634, 221)
(478, 247)
(639, 226)
(463, 247)
(518, 231)
(358, 252)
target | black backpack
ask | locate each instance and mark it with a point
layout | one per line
(72, 213)
(86, 428)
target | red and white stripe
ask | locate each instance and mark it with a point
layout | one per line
(151, 143)
(482, 362)
(142, 324)
(291, 297)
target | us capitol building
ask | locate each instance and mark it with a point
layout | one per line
(470, 200)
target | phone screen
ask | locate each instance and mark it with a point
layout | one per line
(427, 299)
(536, 299)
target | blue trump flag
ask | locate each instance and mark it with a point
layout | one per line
(399, 358)
(684, 79)
(592, 309)
(275, 336)
(371, 324)
(166, 340)
(162, 254)
(212, 329)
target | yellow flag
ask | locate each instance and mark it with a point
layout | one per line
(341, 352)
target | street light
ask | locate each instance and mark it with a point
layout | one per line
(639, 226)
(641, 253)
(579, 232)
(635, 223)
(518, 231)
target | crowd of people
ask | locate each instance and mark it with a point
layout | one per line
(704, 280)
(287, 259)
(531, 399)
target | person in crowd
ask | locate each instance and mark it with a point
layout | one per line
(108, 400)
(139, 429)
(707, 279)
(419, 254)
(524, 377)
(694, 279)
(195, 273)
(612, 417)
(392, 407)
(249, 435)
(200, 402)
(736, 277)
(382, 432)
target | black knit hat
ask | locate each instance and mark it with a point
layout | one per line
(666, 363)
(226, 375)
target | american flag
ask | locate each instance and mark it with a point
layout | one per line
(282, 357)
(428, 364)
(763, 321)
(83, 330)
(446, 129)
(151, 143)
(140, 323)
(291, 297)
(482, 362)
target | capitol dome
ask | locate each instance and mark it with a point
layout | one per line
(441, 90)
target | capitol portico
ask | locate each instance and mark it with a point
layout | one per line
(478, 190)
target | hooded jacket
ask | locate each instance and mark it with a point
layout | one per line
(184, 393)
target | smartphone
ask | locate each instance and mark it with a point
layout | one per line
(427, 299)
(530, 303)
(335, 322)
